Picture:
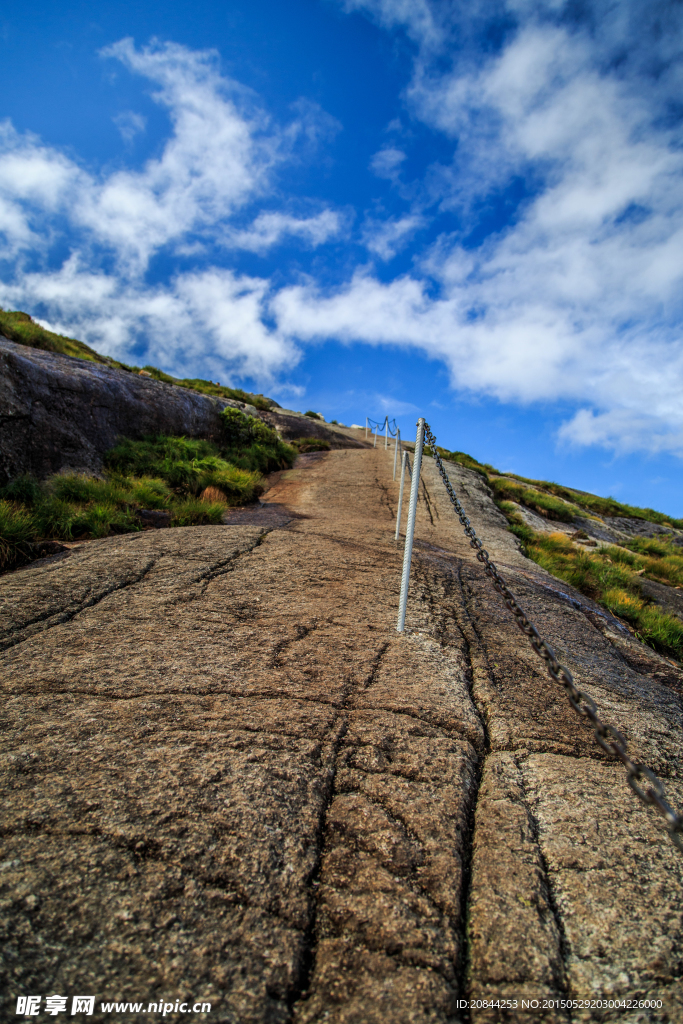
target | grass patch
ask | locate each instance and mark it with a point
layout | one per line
(191, 478)
(211, 387)
(17, 531)
(547, 505)
(605, 508)
(196, 511)
(310, 444)
(22, 329)
(610, 576)
(463, 459)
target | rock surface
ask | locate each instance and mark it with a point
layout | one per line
(228, 778)
(60, 413)
(611, 530)
(292, 425)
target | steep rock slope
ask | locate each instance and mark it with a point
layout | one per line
(59, 412)
(229, 778)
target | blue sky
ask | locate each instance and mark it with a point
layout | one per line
(467, 210)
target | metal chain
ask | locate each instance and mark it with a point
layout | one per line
(375, 424)
(609, 738)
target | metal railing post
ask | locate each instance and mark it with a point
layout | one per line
(386, 432)
(404, 462)
(374, 443)
(398, 435)
(410, 526)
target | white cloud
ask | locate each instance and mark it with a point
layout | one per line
(220, 156)
(387, 162)
(130, 124)
(175, 321)
(270, 228)
(623, 430)
(217, 159)
(420, 18)
(580, 296)
(387, 237)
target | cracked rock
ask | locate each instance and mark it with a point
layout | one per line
(227, 777)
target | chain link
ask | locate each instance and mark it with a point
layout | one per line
(376, 427)
(610, 739)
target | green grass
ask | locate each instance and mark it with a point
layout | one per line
(210, 387)
(19, 327)
(310, 444)
(610, 576)
(185, 465)
(463, 459)
(168, 473)
(605, 508)
(194, 512)
(546, 504)
(16, 532)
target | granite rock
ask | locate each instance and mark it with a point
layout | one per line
(227, 777)
(58, 413)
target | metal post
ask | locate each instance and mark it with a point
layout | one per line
(404, 462)
(386, 432)
(374, 443)
(398, 435)
(410, 526)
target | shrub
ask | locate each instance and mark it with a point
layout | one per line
(17, 530)
(24, 489)
(195, 512)
(313, 415)
(252, 445)
(241, 431)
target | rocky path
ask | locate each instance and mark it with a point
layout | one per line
(228, 779)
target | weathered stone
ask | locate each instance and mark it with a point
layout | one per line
(611, 530)
(228, 777)
(292, 425)
(60, 413)
(669, 599)
(155, 518)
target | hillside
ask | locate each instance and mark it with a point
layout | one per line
(63, 476)
(230, 779)
(88, 449)
(295, 813)
(22, 329)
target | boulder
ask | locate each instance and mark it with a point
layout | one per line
(59, 413)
